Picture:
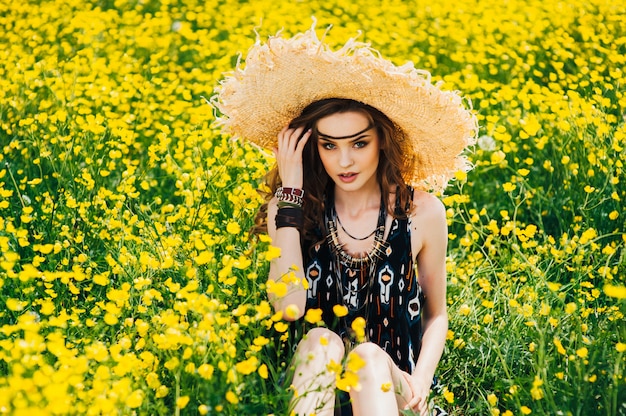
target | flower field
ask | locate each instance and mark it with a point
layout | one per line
(129, 283)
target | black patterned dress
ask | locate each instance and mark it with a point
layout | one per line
(387, 295)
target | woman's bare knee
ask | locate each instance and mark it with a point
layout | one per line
(322, 339)
(371, 353)
(314, 385)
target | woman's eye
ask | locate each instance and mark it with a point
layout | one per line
(328, 146)
(359, 145)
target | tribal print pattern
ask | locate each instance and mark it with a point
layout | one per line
(393, 310)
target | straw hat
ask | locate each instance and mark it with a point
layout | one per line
(284, 75)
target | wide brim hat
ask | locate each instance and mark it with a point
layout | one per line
(282, 76)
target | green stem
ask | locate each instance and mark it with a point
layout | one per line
(6, 165)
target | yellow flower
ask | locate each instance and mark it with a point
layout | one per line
(465, 310)
(233, 228)
(247, 366)
(47, 307)
(448, 395)
(348, 382)
(355, 362)
(536, 392)
(358, 326)
(497, 157)
(281, 326)
(182, 402)
(265, 238)
(232, 397)
(162, 391)
(559, 346)
(530, 125)
(261, 341)
(43, 249)
(97, 351)
(172, 363)
(526, 410)
(334, 367)
(272, 253)
(277, 289)
(385, 387)
(292, 311)
(15, 305)
(313, 316)
(492, 399)
(509, 187)
(110, 319)
(204, 257)
(205, 371)
(582, 352)
(620, 347)
(135, 399)
(263, 372)
(570, 308)
(460, 175)
(340, 311)
(615, 291)
(588, 235)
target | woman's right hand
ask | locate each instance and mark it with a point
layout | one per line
(289, 156)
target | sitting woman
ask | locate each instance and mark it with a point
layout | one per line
(360, 144)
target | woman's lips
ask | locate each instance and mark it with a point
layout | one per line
(347, 177)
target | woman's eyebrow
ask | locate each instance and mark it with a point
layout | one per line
(328, 136)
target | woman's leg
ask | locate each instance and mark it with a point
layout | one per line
(384, 388)
(314, 384)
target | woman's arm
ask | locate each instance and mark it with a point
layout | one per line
(429, 239)
(288, 268)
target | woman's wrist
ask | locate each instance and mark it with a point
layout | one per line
(289, 217)
(289, 204)
(423, 379)
(290, 195)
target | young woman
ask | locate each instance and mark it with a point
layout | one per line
(358, 142)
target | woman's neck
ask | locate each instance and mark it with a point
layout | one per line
(357, 202)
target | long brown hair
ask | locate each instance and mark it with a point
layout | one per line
(317, 182)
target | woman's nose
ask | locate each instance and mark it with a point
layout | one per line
(345, 159)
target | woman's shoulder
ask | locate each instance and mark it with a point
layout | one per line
(428, 222)
(427, 205)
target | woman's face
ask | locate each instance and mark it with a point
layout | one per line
(349, 148)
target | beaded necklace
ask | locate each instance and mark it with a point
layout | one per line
(349, 270)
(337, 247)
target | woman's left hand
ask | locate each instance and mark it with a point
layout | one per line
(419, 400)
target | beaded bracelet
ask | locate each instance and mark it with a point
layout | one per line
(290, 195)
(285, 204)
(289, 217)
